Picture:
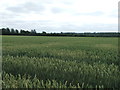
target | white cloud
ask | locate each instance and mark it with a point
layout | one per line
(56, 15)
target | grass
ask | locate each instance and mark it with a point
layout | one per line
(60, 62)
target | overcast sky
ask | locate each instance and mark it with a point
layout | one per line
(60, 15)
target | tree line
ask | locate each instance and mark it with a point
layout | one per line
(7, 31)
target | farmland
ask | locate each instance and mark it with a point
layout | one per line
(60, 62)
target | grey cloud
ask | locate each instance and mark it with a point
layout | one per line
(115, 14)
(16, 9)
(68, 2)
(84, 28)
(88, 28)
(101, 27)
(27, 25)
(97, 13)
(57, 10)
(45, 25)
(27, 8)
(6, 17)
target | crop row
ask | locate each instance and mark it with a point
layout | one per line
(59, 70)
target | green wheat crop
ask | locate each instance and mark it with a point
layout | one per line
(60, 62)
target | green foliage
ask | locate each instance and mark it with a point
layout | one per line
(60, 62)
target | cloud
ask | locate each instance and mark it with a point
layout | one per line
(39, 25)
(114, 13)
(89, 28)
(50, 26)
(27, 7)
(6, 16)
(57, 10)
(96, 13)
(60, 15)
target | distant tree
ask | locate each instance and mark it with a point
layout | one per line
(16, 31)
(7, 31)
(43, 32)
(12, 31)
(34, 31)
(3, 31)
(22, 32)
(0, 31)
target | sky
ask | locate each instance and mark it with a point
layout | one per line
(60, 15)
